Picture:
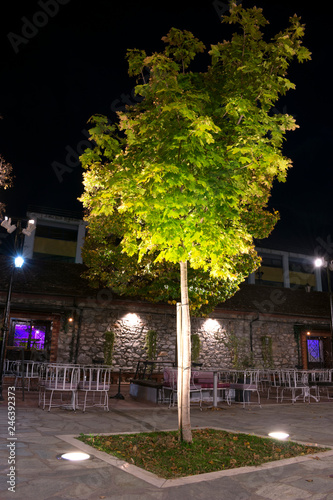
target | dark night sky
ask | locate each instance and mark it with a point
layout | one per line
(74, 66)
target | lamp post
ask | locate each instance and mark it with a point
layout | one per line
(18, 261)
(328, 265)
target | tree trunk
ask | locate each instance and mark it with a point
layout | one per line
(184, 358)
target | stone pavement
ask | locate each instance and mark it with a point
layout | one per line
(40, 475)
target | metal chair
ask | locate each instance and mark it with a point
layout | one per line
(298, 380)
(27, 371)
(170, 385)
(264, 380)
(94, 381)
(321, 380)
(247, 381)
(275, 384)
(288, 384)
(9, 367)
(61, 380)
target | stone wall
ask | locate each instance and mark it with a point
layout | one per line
(225, 340)
(130, 336)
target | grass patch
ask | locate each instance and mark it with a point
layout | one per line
(211, 450)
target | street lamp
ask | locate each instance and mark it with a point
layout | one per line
(328, 265)
(17, 263)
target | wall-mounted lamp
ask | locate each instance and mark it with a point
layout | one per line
(132, 318)
(30, 228)
(211, 325)
(7, 224)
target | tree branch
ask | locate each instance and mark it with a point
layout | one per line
(240, 119)
(180, 144)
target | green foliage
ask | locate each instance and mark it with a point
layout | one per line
(65, 322)
(188, 175)
(267, 351)
(195, 347)
(109, 266)
(238, 351)
(109, 338)
(151, 344)
(182, 46)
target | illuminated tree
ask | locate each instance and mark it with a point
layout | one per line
(186, 179)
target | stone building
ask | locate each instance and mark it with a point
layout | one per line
(55, 315)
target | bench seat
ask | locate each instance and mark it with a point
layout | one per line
(149, 390)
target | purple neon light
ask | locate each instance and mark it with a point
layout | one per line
(22, 336)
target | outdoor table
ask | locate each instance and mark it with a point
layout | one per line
(216, 372)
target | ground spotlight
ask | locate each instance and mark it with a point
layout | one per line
(278, 435)
(75, 456)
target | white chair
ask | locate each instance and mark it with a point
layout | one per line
(288, 384)
(170, 387)
(275, 384)
(264, 380)
(95, 382)
(247, 382)
(9, 367)
(298, 380)
(61, 380)
(167, 387)
(30, 372)
(322, 381)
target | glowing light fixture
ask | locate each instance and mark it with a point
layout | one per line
(278, 435)
(75, 456)
(19, 261)
(30, 228)
(132, 318)
(7, 224)
(211, 325)
(327, 264)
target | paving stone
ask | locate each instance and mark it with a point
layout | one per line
(282, 491)
(40, 475)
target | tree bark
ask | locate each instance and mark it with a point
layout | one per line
(184, 358)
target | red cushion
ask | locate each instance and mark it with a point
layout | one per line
(220, 385)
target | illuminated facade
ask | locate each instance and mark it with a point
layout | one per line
(56, 237)
(56, 316)
(280, 305)
(286, 269)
